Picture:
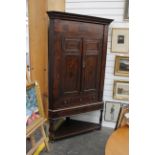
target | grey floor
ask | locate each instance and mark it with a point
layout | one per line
(92, 143)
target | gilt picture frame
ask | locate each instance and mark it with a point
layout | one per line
(112, 110)
(121, 66)
(121, 90)
(120, 40)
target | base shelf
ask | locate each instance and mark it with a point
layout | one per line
(73, 127)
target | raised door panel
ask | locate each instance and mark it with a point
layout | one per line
(91, 64)
(71, 66)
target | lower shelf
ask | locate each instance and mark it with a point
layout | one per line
(73, 127)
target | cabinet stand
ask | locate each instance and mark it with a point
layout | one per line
(73, 127)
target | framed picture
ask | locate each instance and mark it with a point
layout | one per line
(120, 40)
(121, 121)
(34, 107)
(121, 66)
(121, 90)
(126, 11)
(112, 110)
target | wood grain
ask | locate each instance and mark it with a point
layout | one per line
(38, 40)
(76, 64)
(118, 143)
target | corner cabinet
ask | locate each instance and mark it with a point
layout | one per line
(77, 47)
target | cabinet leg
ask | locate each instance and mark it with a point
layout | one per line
(101, 117)
(67, 120)
(51, 130)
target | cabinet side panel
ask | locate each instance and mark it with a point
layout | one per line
(104, 53)
(50, 62)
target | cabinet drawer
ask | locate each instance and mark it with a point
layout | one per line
(74, 101)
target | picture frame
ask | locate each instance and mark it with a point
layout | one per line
(120, 40)
(123, 110)
(34, 106)
(112, 110)
(121, 66)
(121, 90)
(126, 10)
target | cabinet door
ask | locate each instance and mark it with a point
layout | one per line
(91, 64)
(71, 69)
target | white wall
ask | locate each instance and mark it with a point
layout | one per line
(113, 9)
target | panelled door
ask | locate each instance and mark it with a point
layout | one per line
(71, 65)
(80, 68)
(81, 65)
(91, 64)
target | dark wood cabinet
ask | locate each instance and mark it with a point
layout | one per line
(76, 67)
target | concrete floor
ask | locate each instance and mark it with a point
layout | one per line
(92, 143)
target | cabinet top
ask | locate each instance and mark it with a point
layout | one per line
(78, 17)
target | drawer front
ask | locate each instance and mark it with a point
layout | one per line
(67, 102)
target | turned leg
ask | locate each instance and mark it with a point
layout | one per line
(51, 130)
(100, 120)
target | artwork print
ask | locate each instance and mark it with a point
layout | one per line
(120, 40)
(121, 90)
(32, 110)
(122, 65)
(112, 111)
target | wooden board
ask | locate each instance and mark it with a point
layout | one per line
(56, 5)
(38, 21)
(38, 41)
(118, 142)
